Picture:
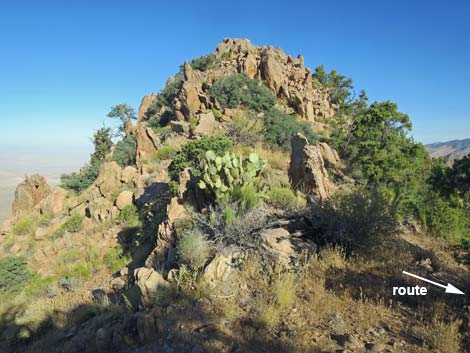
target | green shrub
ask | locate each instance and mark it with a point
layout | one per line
(166, 152)
(192, 154)
(204, 63)
(194, 249)
(247, 196)
(129, 216)
(279, 127)
(124, 152)
(239, 90)
(115, 259)
(360, 219)
(13, 273)
(25, 226)
(73, 224)
(283, 198)
(80, 181)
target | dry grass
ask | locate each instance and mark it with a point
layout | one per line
(441, 336)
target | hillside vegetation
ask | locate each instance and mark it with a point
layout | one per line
(252, 205)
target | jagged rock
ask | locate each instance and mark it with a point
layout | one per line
(234, 45)
(250, 66)
(128, 174)
(329, 154)
(55, 202)
(102, 210)
(109, 179)
(147, 142)
(207, 124)
(278, 242)
(307, 170)
(28, 194)
(190, 92)
(219, 269)
(144, 106)
(180, 127)
(272, 71)
(149, 282)
(124, 199)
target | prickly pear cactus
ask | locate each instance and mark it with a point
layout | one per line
(223, 173)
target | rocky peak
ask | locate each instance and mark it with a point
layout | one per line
(30, 193)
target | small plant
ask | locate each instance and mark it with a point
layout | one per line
(13, 273)
(129, 216)
(115, 259)
(283, 197)
(222, 174)
(194, 249)
(247, 196)
(246, 129)
(285, 289)
(26, 226)
(166, 152)
(73, 224)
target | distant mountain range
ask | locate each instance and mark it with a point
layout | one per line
(450, 150)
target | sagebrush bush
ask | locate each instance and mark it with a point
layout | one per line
(279, 127)
(26, 226)
(13, 273)
(124, 151)
(246, 129)
(360, 219)
(283, 197)
(194, 249)
(73, 224)
(166, 152)
(192, 154)
(238, 90)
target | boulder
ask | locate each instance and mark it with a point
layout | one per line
(147, 142)
(190, 92)
(109, 179)
(250, 66)
(272, 71)
(329, 154)
(55, 202)
(128, 174)
(144, 106)
(219, 269)
(234, 45)
(28, 194)
(278, 242)
(149, 282)
(180, 127)
(207, 124)
(124, 199)
(307, 171)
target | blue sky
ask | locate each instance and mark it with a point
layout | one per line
(63, 64)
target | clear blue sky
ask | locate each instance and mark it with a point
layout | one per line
(64, 63)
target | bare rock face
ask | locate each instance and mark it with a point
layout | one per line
(233, 45)
(55, 202)
(28, 194)
(329, 154)
(272, 71)
(307, 170)
(144, 106)
(188, 101)
(147, 142)
(128, 174)
(124, 199)
(207, 124)
(109, 179)
(278, 242)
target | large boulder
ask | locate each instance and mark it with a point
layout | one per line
(329, 154)
(28, 194)
(55, 203)
(128, 174)
(307, 171)
(147, 142)
(278, 242)
(109, 179)
(124, 199)
(149, 282)
(272, 71)
(188, 100)
(207, 124)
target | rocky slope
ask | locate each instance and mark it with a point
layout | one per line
(450, 150)
(112, 273)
